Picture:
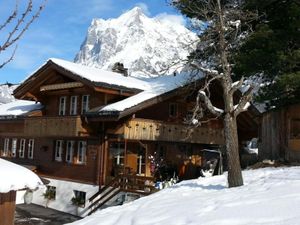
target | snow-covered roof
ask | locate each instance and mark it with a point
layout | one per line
(14, 177)
(270, 196)
(100, 76)
(156, 87)
(18, 108)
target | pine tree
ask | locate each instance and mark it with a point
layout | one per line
(273, 51)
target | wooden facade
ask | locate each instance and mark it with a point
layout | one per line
(105, 147)
(280, 134)
(7, 208)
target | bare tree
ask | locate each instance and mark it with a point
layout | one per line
(224, 29)
(15, 25)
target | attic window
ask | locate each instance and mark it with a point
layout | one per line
(173, 109)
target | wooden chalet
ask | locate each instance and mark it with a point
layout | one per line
(280, 134)
(101, 132)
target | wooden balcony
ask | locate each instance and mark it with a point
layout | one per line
(62, 126)
(140, 129)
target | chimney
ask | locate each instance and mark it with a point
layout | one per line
(119, 68)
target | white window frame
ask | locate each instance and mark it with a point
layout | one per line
(22, 148)
(69, 151)
(58, 150)
(73, 105)
(62, 106)
(30, 148)
(81, 152)
(6, 147)
(14, 144)
(85, 103)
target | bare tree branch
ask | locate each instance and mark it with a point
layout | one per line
(10, 58)
(244, 100)
(203, 98)
(236, 86)
(10, 18)
(22, 24)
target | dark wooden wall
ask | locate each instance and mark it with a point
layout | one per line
(43, 159)
(276, 142)
(7, 208)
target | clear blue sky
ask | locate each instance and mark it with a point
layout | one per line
(61, 29)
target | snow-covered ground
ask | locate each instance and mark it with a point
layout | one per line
(270, 196)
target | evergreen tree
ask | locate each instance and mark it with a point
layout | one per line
(273, 51)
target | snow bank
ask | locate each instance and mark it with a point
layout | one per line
(15, 177)
(19, 107)
(269, 197)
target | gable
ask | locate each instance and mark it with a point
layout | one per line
(59, 74)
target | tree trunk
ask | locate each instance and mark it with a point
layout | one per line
(235, 177)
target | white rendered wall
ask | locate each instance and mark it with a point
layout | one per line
(64, 194)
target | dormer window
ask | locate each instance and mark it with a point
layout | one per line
(73, 105)
(62, 106)
(85, 103)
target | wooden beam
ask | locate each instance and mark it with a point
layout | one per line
(51, 87)
(112, 91)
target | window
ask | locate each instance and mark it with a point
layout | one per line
(173, 110)
(85, 103)
(6, 147)
(62, 106)
(81, 154)
(58, 150)
(73, 105)
(70, 151)
(14, 147)
(30, 148)
(79, 198)
(22, 148)
(116, 150)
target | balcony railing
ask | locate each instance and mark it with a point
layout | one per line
(141, 129)
(67, 126)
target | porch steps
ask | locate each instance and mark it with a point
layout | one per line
(123, 183)
(99, 202)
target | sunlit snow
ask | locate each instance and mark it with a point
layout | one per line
(270, 196)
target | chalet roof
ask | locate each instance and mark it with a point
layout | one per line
(158, 88)
(19, 107)
(87, 75)
(14, 177)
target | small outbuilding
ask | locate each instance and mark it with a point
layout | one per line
(12, 179)
(280, 134)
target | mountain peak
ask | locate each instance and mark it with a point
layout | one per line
(144, 45)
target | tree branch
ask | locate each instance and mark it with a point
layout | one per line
(10, 18)
(202, 98)
(244, 101)
(13, 35)
(236, 86)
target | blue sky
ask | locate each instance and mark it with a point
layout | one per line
(61, 29)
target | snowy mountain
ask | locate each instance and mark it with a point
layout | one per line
(146, 46)
(6, 91)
